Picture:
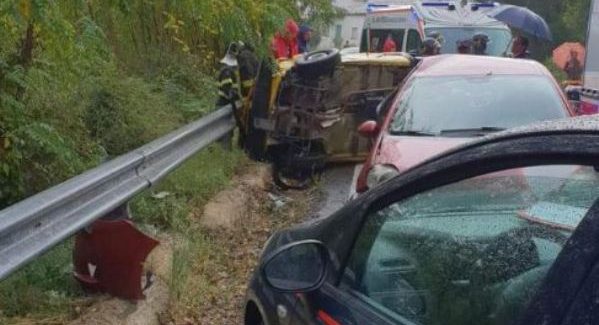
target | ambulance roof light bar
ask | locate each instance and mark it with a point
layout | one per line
(449, 5)
(474, 6)
(370, 7)
(436, 4)
(376, 7)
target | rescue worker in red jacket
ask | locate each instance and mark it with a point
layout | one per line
(389, 45)
(284, 43)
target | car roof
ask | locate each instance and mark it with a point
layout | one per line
(463, 65)
(586, 123)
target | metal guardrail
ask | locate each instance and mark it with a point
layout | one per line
(34, 225)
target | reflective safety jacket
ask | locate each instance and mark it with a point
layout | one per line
(228, 85)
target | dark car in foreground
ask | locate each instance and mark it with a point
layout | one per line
(454, 240)
(448, 100)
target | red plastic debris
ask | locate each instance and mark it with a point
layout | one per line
(109, 258)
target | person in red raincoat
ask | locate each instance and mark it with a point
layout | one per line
(284, 43)
(389, 45)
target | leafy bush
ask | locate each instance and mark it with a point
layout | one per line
(192, 92)
(123, 114)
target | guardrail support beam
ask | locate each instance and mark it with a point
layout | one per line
(227, 141)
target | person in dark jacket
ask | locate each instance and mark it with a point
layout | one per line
(430, 46)
(464, 46)
(248, 68)
(573, 67)
(479, 44)
(303, 39)
(520, 48)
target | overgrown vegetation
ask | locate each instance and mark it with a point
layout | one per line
(52, 299)
(82, 81)
(567, 19)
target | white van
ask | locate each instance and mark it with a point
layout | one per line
(409, 25)
(590, 91)
(591, 72)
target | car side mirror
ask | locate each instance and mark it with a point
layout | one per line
(368, 129)
(296, 267)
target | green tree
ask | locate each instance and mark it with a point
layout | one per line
(84, 79)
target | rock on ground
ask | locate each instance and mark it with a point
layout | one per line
(229, 206)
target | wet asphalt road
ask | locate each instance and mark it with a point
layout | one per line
(337, 184)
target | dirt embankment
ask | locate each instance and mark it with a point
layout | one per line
(211, 272)
(237, 222)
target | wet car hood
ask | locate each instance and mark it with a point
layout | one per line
(404, 152)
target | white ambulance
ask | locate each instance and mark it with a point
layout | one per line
(408, 25)
(590, 92)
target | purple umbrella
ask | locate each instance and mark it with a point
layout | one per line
(523, 19)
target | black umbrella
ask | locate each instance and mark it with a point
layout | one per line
(523, 19)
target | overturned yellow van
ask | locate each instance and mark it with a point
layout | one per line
(305, 112)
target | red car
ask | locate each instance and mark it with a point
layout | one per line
(449, 99)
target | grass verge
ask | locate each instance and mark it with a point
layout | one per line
(44, 292)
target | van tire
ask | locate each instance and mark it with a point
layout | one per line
(316, 64)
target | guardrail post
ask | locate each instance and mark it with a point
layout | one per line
(109, 256)
(227, 140)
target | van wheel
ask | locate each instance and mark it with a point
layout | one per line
(318, 63)
(298, 165)
(299, 180)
